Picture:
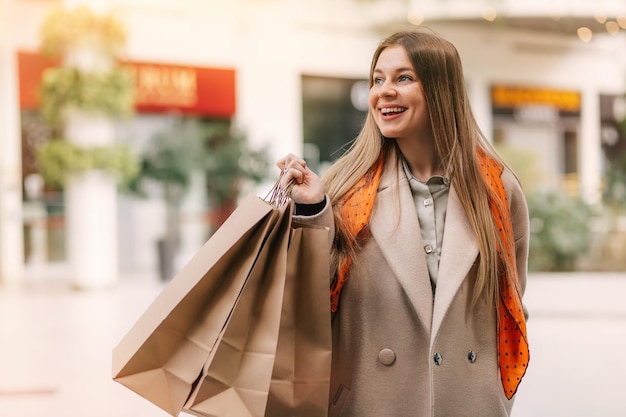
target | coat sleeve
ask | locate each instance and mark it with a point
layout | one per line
(324, 218)
(521, 231)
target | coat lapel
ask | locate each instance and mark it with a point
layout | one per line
(396, 231)
(458, 253)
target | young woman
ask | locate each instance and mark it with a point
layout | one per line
(430, 243)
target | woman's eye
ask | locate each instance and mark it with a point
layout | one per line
(378, 80)
(405, 78)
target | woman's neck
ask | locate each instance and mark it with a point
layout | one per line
(421, 158)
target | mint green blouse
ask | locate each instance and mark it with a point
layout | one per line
(431, 202)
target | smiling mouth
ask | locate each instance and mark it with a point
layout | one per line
(392, 110)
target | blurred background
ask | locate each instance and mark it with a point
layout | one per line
(130, 129)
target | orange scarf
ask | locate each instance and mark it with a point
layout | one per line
(356, 208)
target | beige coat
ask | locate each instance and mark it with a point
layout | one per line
(396, 351)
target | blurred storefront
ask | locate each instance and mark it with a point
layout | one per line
(542, 125)
(333, 111)
(292, 75)
(162, 92)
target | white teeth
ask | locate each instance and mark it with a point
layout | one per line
(392, 110)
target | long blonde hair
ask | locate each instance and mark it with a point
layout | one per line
(457, 139)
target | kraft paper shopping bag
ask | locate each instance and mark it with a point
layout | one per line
(274, 356)
(237, 375)
(301, 377)
(164, 352)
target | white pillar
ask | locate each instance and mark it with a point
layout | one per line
(267, 94)
(91, 208)
(90, 197)
(11, 231)
(91, 219)
(590, 147)
(479, 93)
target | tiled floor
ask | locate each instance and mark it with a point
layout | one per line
(55, 348)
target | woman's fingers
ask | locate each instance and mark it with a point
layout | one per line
(293, 167)
(307, 186)
(290, 160)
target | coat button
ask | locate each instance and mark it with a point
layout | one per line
(438, 359)
(471, 356)
(387, 357)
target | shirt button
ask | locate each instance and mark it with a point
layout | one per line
(438, 359)
(387, 357)
(428, 202)
(471, 356)
(428, 249)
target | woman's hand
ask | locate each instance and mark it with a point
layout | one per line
(308, 187)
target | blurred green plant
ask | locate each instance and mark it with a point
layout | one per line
(212, 147)
(169, 160)
(59, 159)
(614, 183)
(105, 92)
(109, 93)
(207, 147)
(560, 231)
(230, 161)
(63, 29)
(524, 163)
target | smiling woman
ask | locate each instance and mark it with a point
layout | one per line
(399, 109)
(429, 227)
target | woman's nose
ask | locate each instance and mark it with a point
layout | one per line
(387, 89)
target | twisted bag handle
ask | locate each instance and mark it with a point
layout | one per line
(279, 196)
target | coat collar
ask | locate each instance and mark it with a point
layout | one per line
(459, 253)
(395, 227)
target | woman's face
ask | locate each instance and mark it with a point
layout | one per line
(396, 98)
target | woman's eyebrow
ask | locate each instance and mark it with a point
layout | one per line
(402, 69)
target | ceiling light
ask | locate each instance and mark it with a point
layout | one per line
(612, 27)
(585, 34)
(490, 13)
(415, 17)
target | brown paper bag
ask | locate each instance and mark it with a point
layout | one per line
(301, 378)
(236, 378)
(274, 355)
(164, 352)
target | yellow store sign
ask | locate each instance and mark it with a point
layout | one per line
(513, 97)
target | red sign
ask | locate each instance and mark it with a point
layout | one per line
(158, 87)
(30, 69)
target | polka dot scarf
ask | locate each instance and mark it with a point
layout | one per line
(513, 354)
(356, 208)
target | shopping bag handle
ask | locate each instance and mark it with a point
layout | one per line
(278, 196)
